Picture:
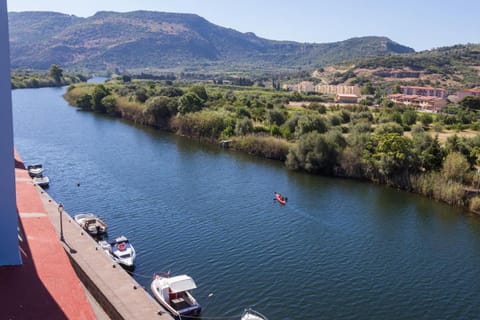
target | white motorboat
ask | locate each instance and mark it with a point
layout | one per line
(121, 251)
(250, 314)
(173, 293)
(91, 223)
(42, 181)
(35, 170)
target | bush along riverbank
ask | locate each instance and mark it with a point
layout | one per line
(389, 144)
(54, 77)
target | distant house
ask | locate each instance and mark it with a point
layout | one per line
(468, 93)
(304, 86)
(340, 89)
(346, 98)
(425, 103)
(424, 91)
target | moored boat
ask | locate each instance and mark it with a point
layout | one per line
(121, 251)
(35, 170)
(173, 293)
(42, 181)
(250, 314)
(91, 223)
(281, 199)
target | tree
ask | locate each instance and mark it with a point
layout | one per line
(161, 109)
(110, 104)
(56, 72)
(189, 102)
(470, 102)
(99, 92)
(275, 117)
(409, 117)
(141, 95)
(368, 89)
(200, 91)
(455, 167)
(316, 153)
(243, 127)
(309, 123)
(171, 92)
(84, 102)
(126, 78)
(389, 127)
(391, 158)
(427, 149)
(426, 118)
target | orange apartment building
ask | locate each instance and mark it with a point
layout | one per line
(424, 91)
(468, 93)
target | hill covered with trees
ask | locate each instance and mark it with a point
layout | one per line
(159, 41)
(449, 67)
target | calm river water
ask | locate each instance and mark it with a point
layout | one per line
(338, 249)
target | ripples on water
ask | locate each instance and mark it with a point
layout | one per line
(337, 250)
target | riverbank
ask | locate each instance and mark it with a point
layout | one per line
(357, 142)
(43, 79)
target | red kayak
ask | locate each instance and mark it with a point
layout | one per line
(281, 199)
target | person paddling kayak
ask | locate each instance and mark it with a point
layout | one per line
(281, 199)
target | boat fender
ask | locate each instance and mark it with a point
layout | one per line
(121, 246)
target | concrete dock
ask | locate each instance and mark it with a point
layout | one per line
(112, 288)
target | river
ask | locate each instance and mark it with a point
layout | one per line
(339, 249)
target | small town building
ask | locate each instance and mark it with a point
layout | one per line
(424, 103)
(468, 93)
(346, 98)
(424, 91)
(334, 89)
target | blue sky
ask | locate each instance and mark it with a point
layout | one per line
(420, 24)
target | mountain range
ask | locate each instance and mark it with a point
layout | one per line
(159, 41)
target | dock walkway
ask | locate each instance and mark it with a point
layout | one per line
(46, 286)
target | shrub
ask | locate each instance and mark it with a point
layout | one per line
(275, 117)
(267, 147)
(389, 127)
(205, 124)
(474, 204)
(189, 102)
(316, 153)
(436, 186)
(455, 167)
(243, 127)
(309, 123)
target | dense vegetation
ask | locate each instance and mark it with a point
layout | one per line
(54, 77)
(135, 41)
(387, 144)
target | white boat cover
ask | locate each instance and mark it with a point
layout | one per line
(181, 283)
